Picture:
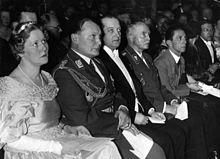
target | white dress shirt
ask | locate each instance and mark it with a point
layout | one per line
(115, 57)
(176, 58)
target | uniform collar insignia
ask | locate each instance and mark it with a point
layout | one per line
(79, 63)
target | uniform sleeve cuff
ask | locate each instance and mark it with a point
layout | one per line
(164, 107)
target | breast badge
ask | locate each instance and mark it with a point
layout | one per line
(79, 63)
(136, 60)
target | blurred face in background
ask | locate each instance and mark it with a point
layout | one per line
(5, 18)
(112, 32)
(162, 25)
(169, 14)
(207, 13)
(218, 24)
(28, 16)
(183, 20)
(207, 31)
(125, 17)
(52, 25)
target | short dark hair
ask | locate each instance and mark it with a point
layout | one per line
(170, 31)
(74, 25)
(107, 16)
(110, 16)
(202, 22)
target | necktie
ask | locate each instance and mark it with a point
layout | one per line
(142, 57)
(96, 71)
(179, 63)
(92, 65)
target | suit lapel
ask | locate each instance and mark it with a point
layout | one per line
(214, 52)
(148, 61)
(177, 68)
(137, 85)
(113, 67)
(206, 51)
(102, 70)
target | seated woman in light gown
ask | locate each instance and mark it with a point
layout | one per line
(29, 113)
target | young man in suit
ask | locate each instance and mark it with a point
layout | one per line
(87, 95)
(160, 97)
(171, 69)
(171, 65)
(206, 50)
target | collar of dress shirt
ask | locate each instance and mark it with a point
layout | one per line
(110, 52)
(206, 42)
(176, 58)
(87, 59)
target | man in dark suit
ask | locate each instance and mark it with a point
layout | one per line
(87, 95)
(161, 98)
(206, 51)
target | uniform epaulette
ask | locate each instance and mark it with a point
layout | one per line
(60, 66)
(124, 53)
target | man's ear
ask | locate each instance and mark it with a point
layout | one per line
(74, 38)
(169, 43)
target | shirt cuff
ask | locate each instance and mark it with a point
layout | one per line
(174, 100)
(151, 110)
(164, 107)
(123, 107)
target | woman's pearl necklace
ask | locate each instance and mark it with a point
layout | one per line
(28, 78)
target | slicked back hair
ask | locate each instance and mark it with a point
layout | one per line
(170, 31)
(74, 25)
